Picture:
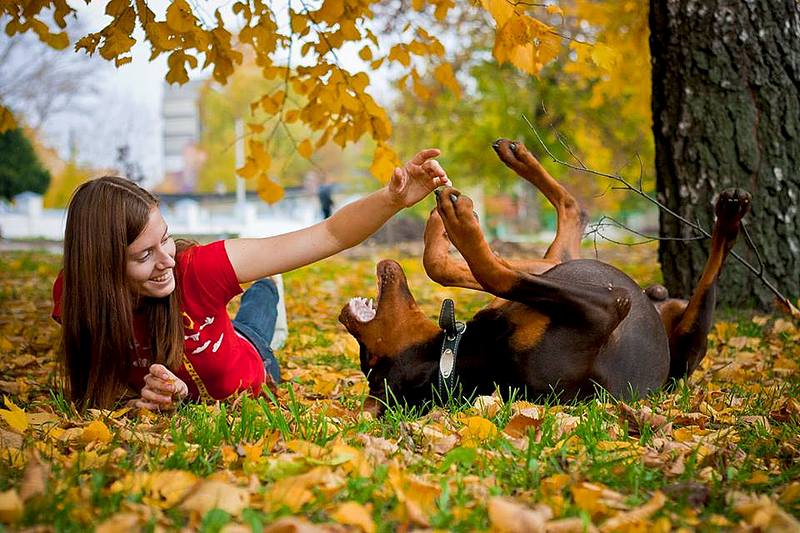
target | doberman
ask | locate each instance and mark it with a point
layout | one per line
(558, 325)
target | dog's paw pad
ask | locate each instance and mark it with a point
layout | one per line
(733, 204)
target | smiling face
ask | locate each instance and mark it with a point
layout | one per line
(151, 259)
(388, 330)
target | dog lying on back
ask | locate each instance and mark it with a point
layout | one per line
(558, 325)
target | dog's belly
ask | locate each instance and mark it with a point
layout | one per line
(547, 355)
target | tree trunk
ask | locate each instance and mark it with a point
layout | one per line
(726, 113)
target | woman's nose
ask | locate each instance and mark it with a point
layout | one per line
(165, 260)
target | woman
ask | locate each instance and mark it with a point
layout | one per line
(139, 310)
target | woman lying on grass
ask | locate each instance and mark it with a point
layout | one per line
(140, 311)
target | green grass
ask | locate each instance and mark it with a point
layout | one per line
(91, 482)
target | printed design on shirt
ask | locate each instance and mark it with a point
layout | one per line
(188, 323)
(198, 336)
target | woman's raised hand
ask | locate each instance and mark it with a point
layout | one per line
(417, 178)
(162, 389)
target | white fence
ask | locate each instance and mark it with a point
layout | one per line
(26, 218)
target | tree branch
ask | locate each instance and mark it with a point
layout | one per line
(758, 272)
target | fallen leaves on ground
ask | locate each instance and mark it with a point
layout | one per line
(719, 451)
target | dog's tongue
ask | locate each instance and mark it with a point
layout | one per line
(363, 309)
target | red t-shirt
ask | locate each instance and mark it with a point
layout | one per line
(217, 361)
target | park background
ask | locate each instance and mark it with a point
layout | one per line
(680, 100)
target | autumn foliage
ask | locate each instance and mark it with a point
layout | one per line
(300, 48)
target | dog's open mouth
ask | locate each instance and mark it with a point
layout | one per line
(365, 309)
(362, 309)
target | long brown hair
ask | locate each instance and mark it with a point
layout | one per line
(104, 216)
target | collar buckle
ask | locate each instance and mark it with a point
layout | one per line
(453, 331)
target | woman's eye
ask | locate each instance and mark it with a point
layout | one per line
(144, 257)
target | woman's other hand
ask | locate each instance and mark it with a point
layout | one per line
(162, 389)
(416, 179)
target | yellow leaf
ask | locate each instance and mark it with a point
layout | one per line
(119, 61)
(758, 478)
(383, 163)
(259, 155)
(355, 514)
(604, 56)
(444, 75)
(268, 190)
(96, 431)
(252, 452)
(212, 494)
(249, 170)
(7, 121)
(10, 506)
(520, 424)
(399, 53)
(59, 41)
(635, 519)
(291, 116)
(180, 17)
(6, 345)
(508, 516)
(170, 487)
(120, 523)
(553, 9)
(14, 416)
(419, 496)
(587, 497)
(501, 10)
(305, 149)
(476, 430)
(229, 455)
(296, 491)
(791, 493)
(365, 53)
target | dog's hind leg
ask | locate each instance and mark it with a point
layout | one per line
(598, 308)
(450, 271)
(688, 328)
(571, 219)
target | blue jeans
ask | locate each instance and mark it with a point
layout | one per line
(256, 322)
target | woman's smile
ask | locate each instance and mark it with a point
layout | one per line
(163, 278)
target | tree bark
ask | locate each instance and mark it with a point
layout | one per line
(726, 113)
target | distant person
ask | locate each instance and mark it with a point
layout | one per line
(143, 314)
(325, 195)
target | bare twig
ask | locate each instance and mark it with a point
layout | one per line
(758, 272)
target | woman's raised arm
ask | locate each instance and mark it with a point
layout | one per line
(254, 259)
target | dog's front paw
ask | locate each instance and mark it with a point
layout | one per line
(459, 218)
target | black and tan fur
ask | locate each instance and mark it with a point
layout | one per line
(559, 324)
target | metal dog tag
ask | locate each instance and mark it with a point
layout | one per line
(446, 363)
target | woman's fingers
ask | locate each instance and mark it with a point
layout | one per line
(433, 168)
(162, 372)
(154, 396)
(161, 378)
(159, 385)
(424, 155)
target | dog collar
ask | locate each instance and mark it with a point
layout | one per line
(453, 331)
